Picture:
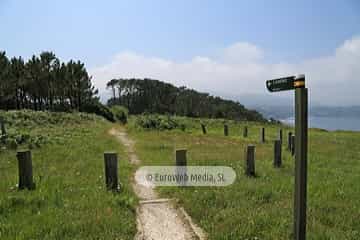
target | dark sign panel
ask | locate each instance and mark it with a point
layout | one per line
(281, 84)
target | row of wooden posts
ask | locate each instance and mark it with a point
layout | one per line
(250, 149)
(26, 170)
(180, 155)
(111, 162)
(250, 153)
(245, 132)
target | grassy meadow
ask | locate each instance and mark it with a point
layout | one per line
(261, 207)
(70, 201)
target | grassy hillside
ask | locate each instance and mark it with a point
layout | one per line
(261, 207)
(70, 201)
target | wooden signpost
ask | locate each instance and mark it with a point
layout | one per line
(301, 134)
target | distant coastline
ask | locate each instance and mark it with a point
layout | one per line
(329, 123)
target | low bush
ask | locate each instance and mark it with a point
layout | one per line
(120, 113)
(21, 127)
(99, 109)
(159, 122)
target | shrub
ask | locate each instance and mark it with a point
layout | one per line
(159, 122)
(120, 113)
(99, 109)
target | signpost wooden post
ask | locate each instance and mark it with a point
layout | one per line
(301, 129)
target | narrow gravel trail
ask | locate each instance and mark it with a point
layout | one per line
(157, 219)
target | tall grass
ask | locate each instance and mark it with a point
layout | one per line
(70, 200)
(262, 207)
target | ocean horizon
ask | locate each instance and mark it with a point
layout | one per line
(329, 123)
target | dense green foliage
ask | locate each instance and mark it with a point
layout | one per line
(20, 127)
(159, 122)
(120, 113)
(44, 83)
(70, 200)
(153, 96)
(261, 207)
(99, 109)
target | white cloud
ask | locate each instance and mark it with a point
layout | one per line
(242, 52)
(240, 70)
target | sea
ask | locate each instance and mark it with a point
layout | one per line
(330, 123)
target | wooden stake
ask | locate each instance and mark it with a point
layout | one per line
(226, 130)
(262, 135)
(289, 141)
(245, 133)
(181, 163)
(111, 171)
(203, 127)
(250, 161)
(277, 153)
(25, 170)
(281, 136)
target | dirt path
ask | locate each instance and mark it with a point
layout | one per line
(157, 219)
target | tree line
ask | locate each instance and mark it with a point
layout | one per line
(154, 96)
(45, 83)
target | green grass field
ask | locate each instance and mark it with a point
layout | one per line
(70, 201)
(262, 207)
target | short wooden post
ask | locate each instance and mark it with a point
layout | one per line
(281, 136)
(203, 127)
(245, 133)
(111, 171)
(293, 145)
(289, 141)
(250, 161)
(180, 157)
(262, 135)
(277, 153)
(181, 163)
(25, 170)
(3, 130)
(226, 130)
(2, 123)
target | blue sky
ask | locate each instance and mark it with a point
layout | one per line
(286, 32)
